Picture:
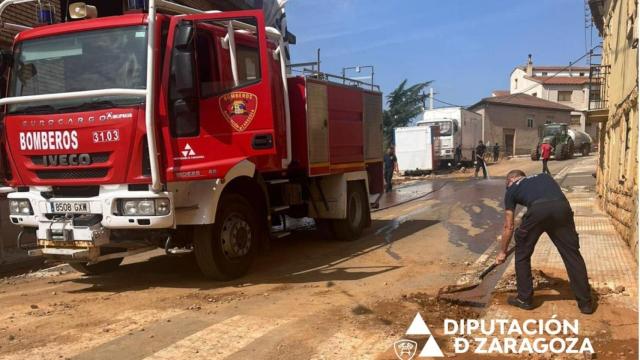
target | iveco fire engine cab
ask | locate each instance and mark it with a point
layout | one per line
(174, 127)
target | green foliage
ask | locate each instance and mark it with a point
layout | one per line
(403, 104)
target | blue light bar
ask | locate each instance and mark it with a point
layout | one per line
(45, 13)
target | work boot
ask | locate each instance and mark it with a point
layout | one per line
(515, 301)
(587, 308)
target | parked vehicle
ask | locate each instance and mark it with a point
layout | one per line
(458, 127)
(582, 141)
(558, 136)
(178, 128)
(416, 149)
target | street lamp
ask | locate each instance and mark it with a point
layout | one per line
(358, 69)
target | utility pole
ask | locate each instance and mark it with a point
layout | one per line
(430, 98)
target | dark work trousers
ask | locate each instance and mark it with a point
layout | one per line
(545, 168)
(480, 164)
(388, 176)
(554, 217)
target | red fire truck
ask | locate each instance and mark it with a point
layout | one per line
(173, 127)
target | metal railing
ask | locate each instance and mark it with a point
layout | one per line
(309, 70)
(598, 75)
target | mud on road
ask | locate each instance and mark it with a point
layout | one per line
(307, 298)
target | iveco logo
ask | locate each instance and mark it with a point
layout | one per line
(66, 160)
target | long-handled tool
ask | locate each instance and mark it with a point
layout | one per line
(473, 282)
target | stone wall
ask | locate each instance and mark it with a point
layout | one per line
(617, 182)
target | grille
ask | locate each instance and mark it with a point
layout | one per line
(72, 174)
(76, 191)
(96, 158)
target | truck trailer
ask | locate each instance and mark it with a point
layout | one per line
(458, 128)
(174, 127)
(416, 149)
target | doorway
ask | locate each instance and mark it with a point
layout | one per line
(509, 136)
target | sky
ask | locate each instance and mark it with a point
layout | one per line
(468, 48)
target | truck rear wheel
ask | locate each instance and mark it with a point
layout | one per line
(225, 250)
(102, 267)
(357, 214)
(560, 152)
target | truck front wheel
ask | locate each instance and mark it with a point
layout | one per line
(357, 214)
(101, 267)
(225, 250)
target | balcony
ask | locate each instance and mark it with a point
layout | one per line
(598, 110)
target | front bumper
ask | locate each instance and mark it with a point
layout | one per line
(79, 236)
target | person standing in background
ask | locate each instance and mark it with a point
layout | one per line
(480, 151)
(496, 152)
(390, 167)
(545, 154)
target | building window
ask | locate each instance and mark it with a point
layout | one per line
(516, 84)
(575, 120)
(534, 94)
(581, 74)
(564, 95)
(530, 123)
(544, 73)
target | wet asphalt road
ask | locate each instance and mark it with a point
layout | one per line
(304, 298)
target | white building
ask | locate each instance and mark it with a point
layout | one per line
(566, 85)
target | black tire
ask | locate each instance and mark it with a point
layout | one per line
(535, 156)
(560, 152)
(586, 149)
(571, 149)
(358, 214)
(226, 249)
(102, 267)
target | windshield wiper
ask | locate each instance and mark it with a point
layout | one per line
(91, 105)
(35, 109)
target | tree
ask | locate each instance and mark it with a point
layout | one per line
(403, 104)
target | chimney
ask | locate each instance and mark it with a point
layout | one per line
(530, 66)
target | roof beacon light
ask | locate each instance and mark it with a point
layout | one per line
(45, 12)
(81, 10)
(137, 4)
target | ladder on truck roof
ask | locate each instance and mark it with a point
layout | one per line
(147, 94)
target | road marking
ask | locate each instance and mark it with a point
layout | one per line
(220, 340)
(343, 345)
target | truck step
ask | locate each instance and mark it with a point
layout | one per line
(277, 181)
(277, 209)
(179, 251)
(280, 234)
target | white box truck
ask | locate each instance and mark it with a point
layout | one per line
(415, 149)
(458, 127)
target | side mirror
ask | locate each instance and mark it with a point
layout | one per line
(6, 60)
(183, 73)
(184, 35)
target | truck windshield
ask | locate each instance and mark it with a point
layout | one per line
(552, 131)
(90, 60)
(445, 126)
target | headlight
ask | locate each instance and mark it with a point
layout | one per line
(20, 207)
(144, 207)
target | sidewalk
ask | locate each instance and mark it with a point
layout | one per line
(612, 270)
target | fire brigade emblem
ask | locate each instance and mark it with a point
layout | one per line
(405, 349)
(239, 109)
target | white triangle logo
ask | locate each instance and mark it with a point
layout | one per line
(188, 151)
(431, 349)
(418, 327)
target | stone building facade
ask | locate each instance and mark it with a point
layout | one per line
(617, 112)
(515, 121)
